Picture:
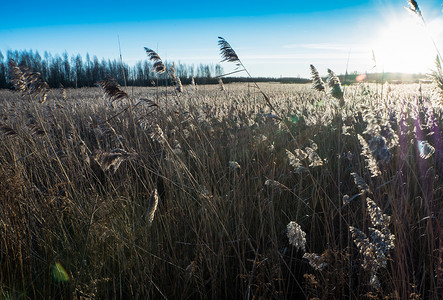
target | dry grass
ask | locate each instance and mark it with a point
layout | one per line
(223, 177)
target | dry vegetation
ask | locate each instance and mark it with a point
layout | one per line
(210, 194)
(224, 192)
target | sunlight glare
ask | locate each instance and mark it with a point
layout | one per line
(405, 45)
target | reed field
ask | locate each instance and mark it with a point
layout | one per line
(229, 191)
(119, 193)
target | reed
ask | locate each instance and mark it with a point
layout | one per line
(218, 197)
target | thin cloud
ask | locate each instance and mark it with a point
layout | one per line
(310, 56)
(327, 46)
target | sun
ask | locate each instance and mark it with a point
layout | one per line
(406, 45)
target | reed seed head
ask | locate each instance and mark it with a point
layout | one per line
(317, 82)
(335, 88)
(228, 54)
(152, 206)
(296, 236)
(159, 67)
(112, 89)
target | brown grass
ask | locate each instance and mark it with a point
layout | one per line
(192, 199)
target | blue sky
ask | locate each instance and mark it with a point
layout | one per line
(272, 38)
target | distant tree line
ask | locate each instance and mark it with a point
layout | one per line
(73, 71)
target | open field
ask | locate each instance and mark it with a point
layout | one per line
(207, 194)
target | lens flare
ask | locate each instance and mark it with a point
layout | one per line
(59, 273)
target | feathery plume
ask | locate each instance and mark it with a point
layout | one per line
(366, 152)
(63, 92)
(152, 206)
(317, 82)
(275, 184)
(179, 86)
(159, 67)
(413, 7)
(301, 154)
(193, 85)
(335, 88)
(172, 72)
(360, 182)
(316, 261)
(365, 247)
(375, 248)
(221, 85)
(437, 78)
(157, 134)
(296, 236)
(228, 53)
(176, 79)
(27, 82)
(112, 89)
(313, 157)
(377, 217)
(112, 159)
(295, 162)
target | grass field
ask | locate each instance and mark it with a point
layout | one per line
(210, 194)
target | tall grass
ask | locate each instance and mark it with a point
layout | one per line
(202, 193)
(193, 201)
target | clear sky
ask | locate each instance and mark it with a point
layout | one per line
(272, 38)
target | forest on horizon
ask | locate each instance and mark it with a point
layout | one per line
(76, 72)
